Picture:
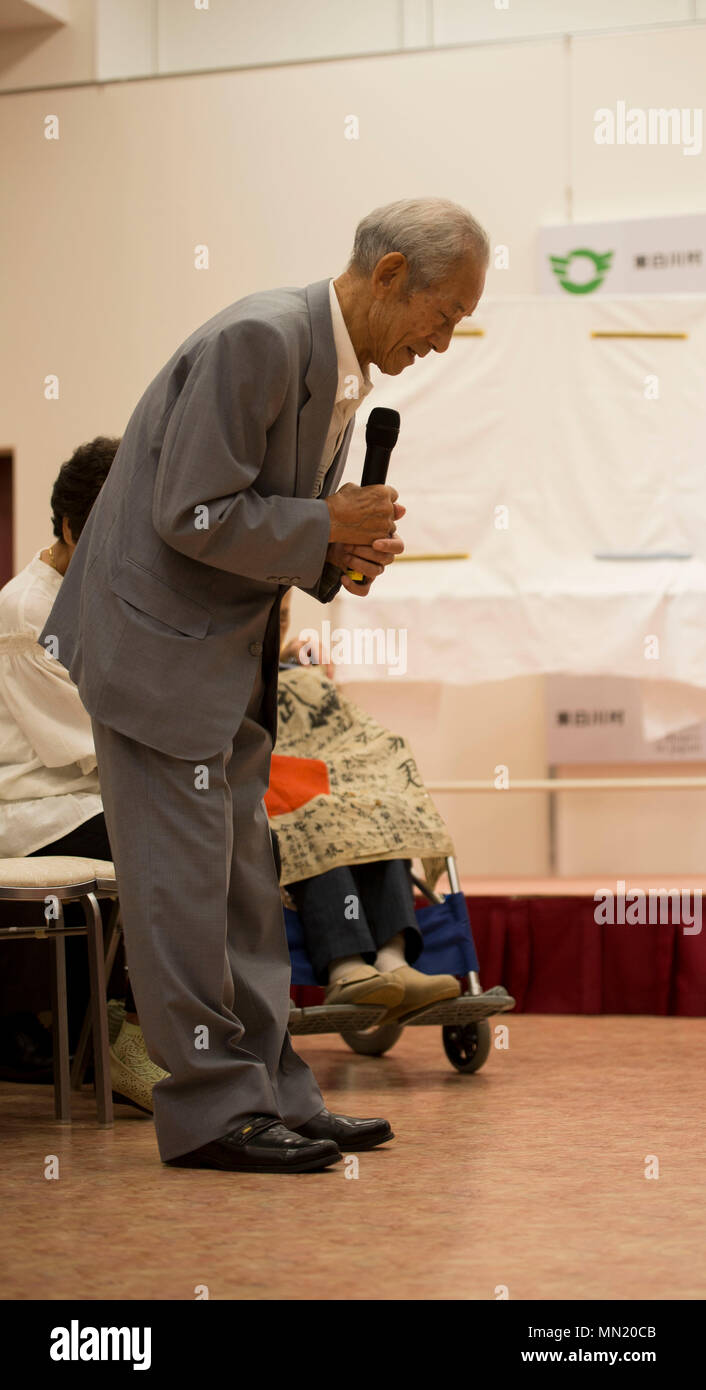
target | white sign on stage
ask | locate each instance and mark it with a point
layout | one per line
(646, 255)
(598, 719)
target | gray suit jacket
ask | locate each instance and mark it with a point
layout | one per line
(204, 521)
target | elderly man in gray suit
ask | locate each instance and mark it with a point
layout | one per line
(222, 495)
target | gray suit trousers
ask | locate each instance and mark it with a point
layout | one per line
(204, 931)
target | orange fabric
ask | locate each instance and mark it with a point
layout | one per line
(293, 782)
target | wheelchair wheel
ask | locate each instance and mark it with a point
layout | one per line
(467, 1046)
(374, 1041)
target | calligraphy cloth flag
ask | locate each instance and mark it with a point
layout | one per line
(343, 789)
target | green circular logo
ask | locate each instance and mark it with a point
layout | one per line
(570, 270)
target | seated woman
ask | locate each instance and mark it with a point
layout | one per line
(349, 812)
(50, 799)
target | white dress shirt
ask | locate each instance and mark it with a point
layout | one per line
(353, 386)
(48, 776)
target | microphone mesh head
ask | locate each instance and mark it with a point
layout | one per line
(383, 426)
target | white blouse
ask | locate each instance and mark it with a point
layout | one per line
(48, 775)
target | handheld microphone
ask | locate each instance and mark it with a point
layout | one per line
(381, 434)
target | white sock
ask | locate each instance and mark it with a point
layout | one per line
(391, 956)
(349, 967)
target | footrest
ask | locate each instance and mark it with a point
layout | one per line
(334, 1018)
(347, 1018)
(470, 1008)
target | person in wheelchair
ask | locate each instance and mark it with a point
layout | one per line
(358, 917)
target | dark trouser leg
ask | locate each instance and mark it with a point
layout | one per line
(333, 919)
(385, 889)
(89, 839)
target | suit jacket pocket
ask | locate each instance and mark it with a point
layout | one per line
(147, 592)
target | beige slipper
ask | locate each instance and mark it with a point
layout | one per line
(132, 1072)
(382, 989)
(420, 992)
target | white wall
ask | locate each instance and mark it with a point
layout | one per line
(662, 70)
(106, 39)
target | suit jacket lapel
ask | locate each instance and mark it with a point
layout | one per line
(321, 381)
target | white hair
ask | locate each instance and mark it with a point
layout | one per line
(433, 234)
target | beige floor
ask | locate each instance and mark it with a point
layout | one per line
(529, 1175)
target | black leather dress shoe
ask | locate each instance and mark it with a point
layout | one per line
(261, 1144)
(346, 1131)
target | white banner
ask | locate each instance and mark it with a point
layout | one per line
(535, 448)
(647, 255)
(598, 719)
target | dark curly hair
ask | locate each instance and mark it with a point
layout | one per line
(79, 482)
